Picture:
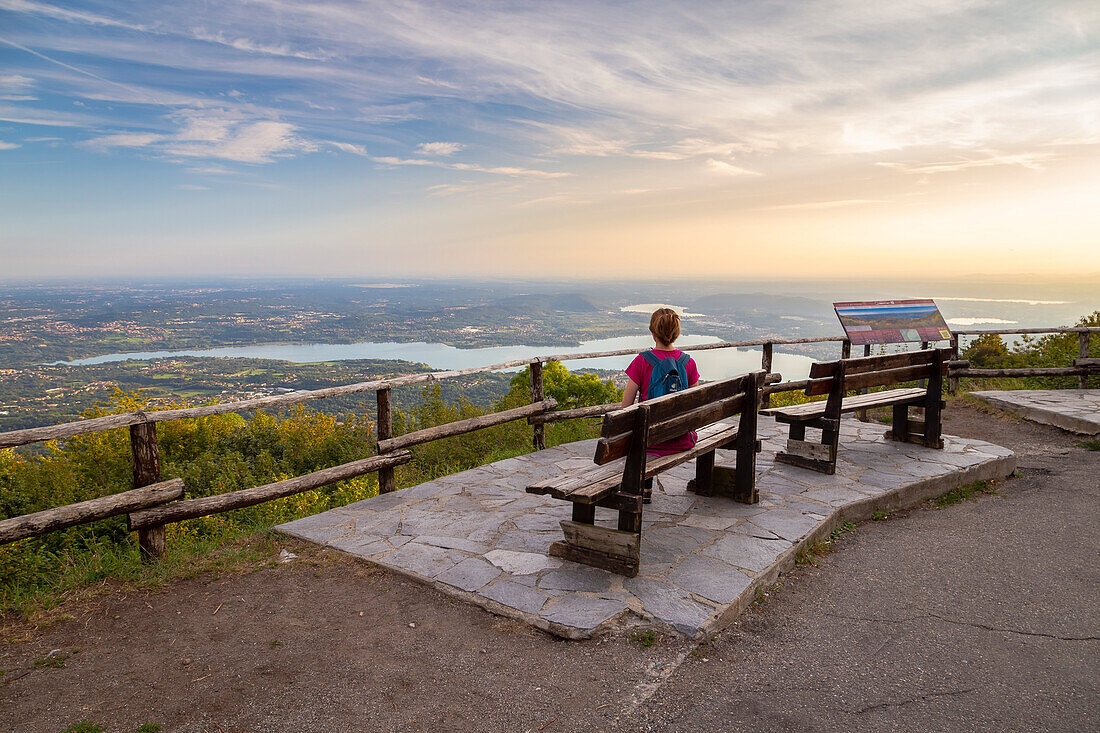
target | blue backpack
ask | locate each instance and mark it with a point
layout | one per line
(669, 374)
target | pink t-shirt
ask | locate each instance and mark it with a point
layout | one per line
(639, 372)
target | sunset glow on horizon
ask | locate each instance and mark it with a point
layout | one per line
(817, 139)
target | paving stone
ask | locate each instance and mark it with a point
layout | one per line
(834, 495)
(671, 504)
(803, 504)
(454, 543)
(382, 524)
(387, 501)
(750, 553)
(680, 540)
(582, 612)
(422, 491)
(787, 523)
(752, 530)
(778, 485)
(365, 546)
(710, 578)
(538, 522)
(528, 541)
(522, 563)
(706, 522)
(921, 469)
(458, 504)
(424, 560)
(716, 506)
(883, 479)
(514, 595)
(669, 604)
(470, 574)
(578, 577)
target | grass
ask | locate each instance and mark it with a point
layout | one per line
(811, 554)
(1091, 444)
(643, 637)
(53, 661)
(968, 492)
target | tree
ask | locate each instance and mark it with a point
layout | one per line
(570, 390)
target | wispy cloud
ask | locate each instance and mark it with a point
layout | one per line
(1033, 161)
(728, 169)
(8, 146)
(349, 148)
(438, 148)
(214, 134)
(498, 170)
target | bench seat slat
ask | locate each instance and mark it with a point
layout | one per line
(595, 483)
(812, 410)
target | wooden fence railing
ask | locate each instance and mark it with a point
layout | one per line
(152, 503)
(1081, 372)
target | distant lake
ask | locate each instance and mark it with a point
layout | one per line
(715, 364)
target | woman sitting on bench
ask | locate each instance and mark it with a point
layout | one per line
(660, 371)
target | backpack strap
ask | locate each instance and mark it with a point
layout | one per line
(683, 360)
(651, 358)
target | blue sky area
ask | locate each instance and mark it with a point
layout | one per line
(276, 137)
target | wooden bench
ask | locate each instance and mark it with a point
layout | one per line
(837, 378)
(621, 466)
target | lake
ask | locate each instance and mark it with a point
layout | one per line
(715, 364)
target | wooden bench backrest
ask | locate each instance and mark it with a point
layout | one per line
(672, 415)
(877, 371)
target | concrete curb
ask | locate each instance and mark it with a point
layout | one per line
(1069, 423)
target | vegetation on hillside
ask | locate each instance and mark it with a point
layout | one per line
(1053, 350)
(223, 453)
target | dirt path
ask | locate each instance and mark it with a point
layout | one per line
(979, 616)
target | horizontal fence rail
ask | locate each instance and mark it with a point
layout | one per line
(62, 517)
(207, 505)
(1079, 369)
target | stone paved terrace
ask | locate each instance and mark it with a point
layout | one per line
(479, 536)
(1075, 410)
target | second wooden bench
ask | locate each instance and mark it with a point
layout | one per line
(837, 378)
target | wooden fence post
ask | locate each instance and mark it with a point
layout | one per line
(953, 382)
(766, 365)
(1083, 352)
(538, 436)
(846, 349)
(861, 415)
(384, 430)
(146, 458)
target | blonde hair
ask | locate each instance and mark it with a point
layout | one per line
(664, 324)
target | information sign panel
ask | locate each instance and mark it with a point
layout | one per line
(892, 321)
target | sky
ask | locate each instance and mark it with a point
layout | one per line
(787, 139)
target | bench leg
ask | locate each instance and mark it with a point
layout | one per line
(820, 458)
(609, 549)
(584, 513)
(630, 521)
(899, 426)
(703, 485)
